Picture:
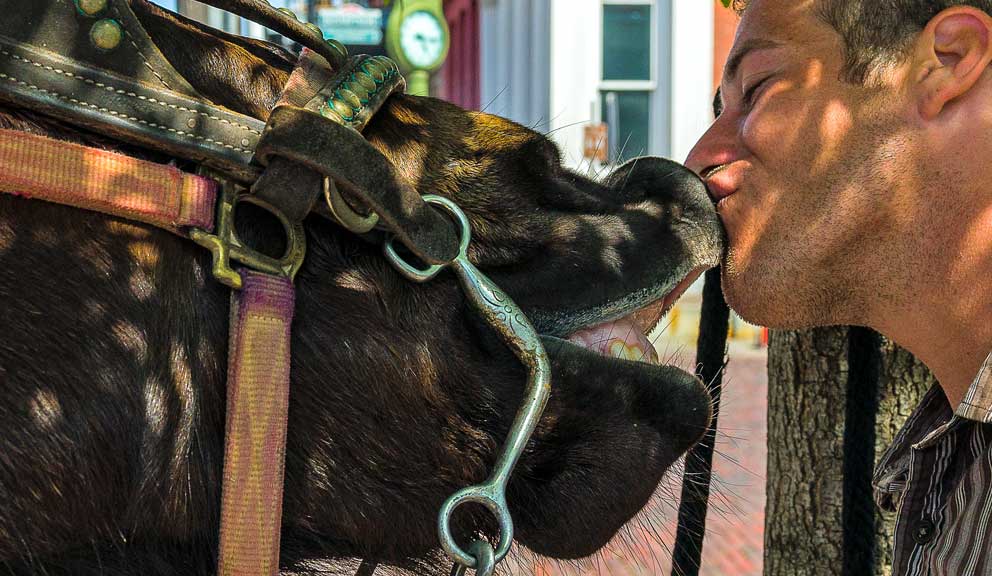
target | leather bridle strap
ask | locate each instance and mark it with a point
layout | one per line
(284, 22)
(157, 118)
(312, 145)
(711, 357)
(343, 155)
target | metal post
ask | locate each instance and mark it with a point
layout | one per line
(612, 126)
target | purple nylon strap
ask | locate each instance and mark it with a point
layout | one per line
(255, 436)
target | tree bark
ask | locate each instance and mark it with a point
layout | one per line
(807, 382)
(807, 373)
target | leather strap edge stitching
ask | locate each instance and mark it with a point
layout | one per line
(115, 112)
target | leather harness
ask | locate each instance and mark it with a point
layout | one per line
(91, 64)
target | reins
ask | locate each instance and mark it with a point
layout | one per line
(711, 360)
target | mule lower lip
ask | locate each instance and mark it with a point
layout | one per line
(626, 338)
(649, 316)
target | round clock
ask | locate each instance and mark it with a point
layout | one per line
(422, 39)
(417, 39)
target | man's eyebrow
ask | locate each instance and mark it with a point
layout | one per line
(742, 50)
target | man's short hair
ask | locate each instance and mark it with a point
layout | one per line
(877, 33)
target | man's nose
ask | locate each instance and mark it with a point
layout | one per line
(715, 148)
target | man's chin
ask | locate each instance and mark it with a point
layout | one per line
(755, 303)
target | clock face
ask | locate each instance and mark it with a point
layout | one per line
(421, 39)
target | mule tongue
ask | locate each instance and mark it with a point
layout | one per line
(622, 338)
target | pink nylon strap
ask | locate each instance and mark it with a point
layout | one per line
(255, 437)
(67, 173)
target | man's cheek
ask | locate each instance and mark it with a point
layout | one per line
(749, 217)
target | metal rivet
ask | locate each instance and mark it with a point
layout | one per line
(315, 29)
(106, 34)
(924, 531)
(387, 63)
(91, 7)
(338, 47)
(245, 143)
(287, 12)
(358, 90)
(344, 111)
(349, 97)
(365, 81)
(191, 123)
(375, 71)
(329, 112)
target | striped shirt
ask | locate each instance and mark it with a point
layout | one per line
(937, 477)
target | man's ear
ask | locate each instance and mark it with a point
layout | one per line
(952, 53)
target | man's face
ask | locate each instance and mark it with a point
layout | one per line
(802, 163)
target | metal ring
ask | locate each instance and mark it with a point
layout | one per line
(344, 213)
(491, 497)
(423, 275)
(485, 559)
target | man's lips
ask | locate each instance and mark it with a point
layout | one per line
(724, 181)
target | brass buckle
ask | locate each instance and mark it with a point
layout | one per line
(344, 214)
(225, 245)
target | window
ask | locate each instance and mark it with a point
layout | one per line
(628, 115)
(627, 83)
(626, 40)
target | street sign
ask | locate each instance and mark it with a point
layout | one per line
(594, 142)
(351, 24)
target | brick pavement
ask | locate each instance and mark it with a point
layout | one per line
(735, 522)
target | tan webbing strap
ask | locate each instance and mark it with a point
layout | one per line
(255, 437)
(36, 166)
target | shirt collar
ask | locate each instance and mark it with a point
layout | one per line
(892, 470)
(977, 402)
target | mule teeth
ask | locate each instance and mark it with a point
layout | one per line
(623, 351)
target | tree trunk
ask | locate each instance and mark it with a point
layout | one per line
(807, 385)
(807, 374)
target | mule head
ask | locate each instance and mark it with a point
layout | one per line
(401, 395)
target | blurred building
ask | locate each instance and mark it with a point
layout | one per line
(459, 80)
(359, 22)
(644, 68)
(561, 66)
